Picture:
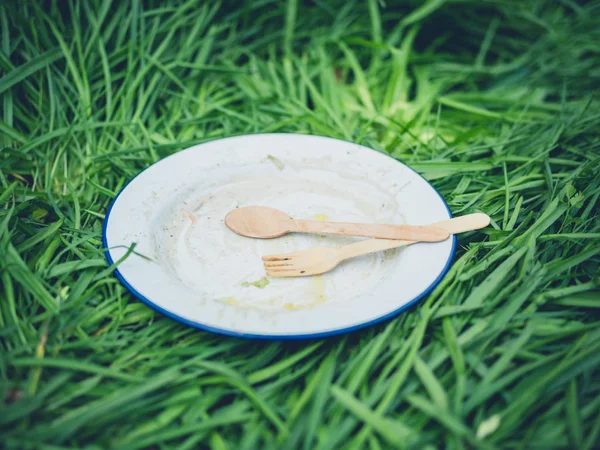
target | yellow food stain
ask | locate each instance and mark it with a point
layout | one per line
(229, 301)
(321, 217)
(316, 290)
(292, 307)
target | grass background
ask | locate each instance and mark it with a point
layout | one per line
(491, 101)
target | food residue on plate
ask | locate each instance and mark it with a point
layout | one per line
(189, 215)
(229, 301)
(316, 289)
(261, 284)
(275, 161)
(321, 217)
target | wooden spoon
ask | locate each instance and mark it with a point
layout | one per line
(264, 222)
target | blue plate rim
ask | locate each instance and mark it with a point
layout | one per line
(274, 337)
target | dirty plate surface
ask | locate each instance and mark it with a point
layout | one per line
(189, 266)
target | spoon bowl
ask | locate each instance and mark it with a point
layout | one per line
(259, 222)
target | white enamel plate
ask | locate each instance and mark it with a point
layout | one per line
(189, 266)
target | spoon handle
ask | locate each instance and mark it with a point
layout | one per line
(404, 232)
(461, 224)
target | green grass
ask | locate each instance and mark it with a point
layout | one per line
(494, 103)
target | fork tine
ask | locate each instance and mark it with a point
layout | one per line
(280, 269)
(290, 273)
(282, 257)
(281, 274)
(277, 263)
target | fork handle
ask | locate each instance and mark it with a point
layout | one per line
(461, 224)
(404, 232)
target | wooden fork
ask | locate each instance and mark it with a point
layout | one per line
(322, 259)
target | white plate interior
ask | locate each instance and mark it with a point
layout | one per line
(202, 273)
